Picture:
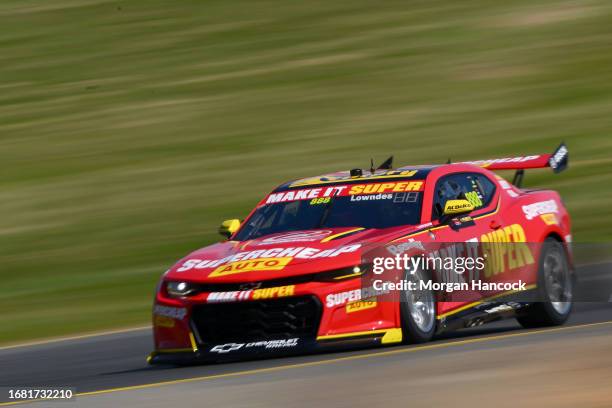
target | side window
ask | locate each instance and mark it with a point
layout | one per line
(474, 187)
(485, 187)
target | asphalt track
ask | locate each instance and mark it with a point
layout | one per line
(499, 364)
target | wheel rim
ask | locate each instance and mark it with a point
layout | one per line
(558, 282)
(420, 304)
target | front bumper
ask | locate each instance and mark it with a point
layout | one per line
(324, 344)
(315, 317)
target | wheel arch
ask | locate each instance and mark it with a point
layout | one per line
(568, 253)
(555, 235)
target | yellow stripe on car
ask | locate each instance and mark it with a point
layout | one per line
(341, 234)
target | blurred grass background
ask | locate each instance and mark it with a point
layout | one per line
(130, 129)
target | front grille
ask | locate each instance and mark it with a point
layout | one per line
(273, 319)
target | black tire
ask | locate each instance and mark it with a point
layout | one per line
(554, 304)
(413, 330)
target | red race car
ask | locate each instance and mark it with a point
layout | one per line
(303, 271)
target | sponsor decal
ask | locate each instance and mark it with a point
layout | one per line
(457, 206)
(226, 348)
(550, 219)
(426, 225)
(265, 344)
(263, 259)
(271, 293)
(306, 194)
(361, 305)
(405, 246)
(305, 236)
(559, 159)
(501, 258)
(178, 313)
(507, 187)
(337, 299)
(232, 296)
(519, 159)
(162, 321)
(344, 191)
(250, 285)
(474, 198)
(541, 207)
(506, 307)
(392, 187)
(462, 222)
(468, 258)
(263, 264)
(254, 294)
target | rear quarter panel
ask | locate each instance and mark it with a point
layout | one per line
(541, 213)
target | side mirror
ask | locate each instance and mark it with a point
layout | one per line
(228, 227)
(455, 207)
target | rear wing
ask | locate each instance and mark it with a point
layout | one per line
(557, 161)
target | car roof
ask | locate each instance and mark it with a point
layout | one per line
(344, 177)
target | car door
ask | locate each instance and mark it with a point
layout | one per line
(460, 236)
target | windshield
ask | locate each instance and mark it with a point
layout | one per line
(371, 206)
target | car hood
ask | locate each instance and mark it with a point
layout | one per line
(281, 255)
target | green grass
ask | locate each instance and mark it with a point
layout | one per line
(130, 129)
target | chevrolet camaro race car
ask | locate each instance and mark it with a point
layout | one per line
(299, 273)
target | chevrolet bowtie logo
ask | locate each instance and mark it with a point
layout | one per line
(226, 348)
(250, 286)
